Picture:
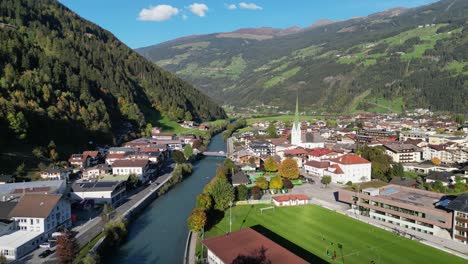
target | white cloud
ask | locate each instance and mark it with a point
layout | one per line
(158, 13)
(250, 6)
(231, 6)
(198, 9)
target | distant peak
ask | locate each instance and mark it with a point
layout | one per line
(320, 22)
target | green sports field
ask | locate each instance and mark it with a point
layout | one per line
(312, 229)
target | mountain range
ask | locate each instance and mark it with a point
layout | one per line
(65, 79)
(389, 61)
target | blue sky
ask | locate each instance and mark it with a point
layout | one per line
(140, 23)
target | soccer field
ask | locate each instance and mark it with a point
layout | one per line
(318, 230)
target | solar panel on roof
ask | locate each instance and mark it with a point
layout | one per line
(389, 191)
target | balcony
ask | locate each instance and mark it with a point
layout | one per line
(461, 219)
(460, 228)
(462, 238)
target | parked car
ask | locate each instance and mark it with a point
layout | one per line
(56, 234)
(45, 245)
(46, 253)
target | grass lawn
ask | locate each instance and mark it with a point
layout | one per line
(313, 229)
(283, 118)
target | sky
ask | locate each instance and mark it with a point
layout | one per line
(140, 23)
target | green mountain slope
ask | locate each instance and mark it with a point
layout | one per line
(394, 60)
(65, 79)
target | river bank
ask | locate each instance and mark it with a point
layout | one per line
(160, 232)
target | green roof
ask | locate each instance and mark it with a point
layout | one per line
(113, 178)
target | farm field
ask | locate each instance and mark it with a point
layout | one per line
(310, 231)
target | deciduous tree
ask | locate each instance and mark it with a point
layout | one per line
(325, 180)
(287, 184)
(271, 131)
(256, 193)
(178, 156)
(276, 183)
(242, 192)
(271, 164)
(222, 193)
(204, 201)
(262, 183)
(197, 220)
(289, 169)
(188, 151)
(67, 248)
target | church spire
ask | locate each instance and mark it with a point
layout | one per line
(296, 116)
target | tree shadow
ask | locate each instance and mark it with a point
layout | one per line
(215, 216)
(246, 216)
(299, 251)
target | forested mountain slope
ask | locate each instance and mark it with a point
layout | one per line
(389, 61)
(65, 79)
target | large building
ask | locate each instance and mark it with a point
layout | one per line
(403, 206)
(459, 206)
(247, 242)
(349, 167)
(403, 153)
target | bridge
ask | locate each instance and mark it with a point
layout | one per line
(214, 153)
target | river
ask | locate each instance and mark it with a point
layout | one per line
(159, 234)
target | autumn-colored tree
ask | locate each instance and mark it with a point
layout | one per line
(276, 183)
(178, 156)
(221, 171)
(197, 220)
(435, 161)
(262, 183)
(196, 144)
(204, 201)
(289, 169)
(67, 247)
(271, 164)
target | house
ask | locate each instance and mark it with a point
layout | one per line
(137, 167)
(111, 158)
(110, 192)
(459, 206)
(203, 127)
(239, 178)
(349, 167)
(316, 168)
(402, 153)
(447, 178)
(122, 150)
(290, 200)
(11, 190)
(164, 136)
(55, 174)
(224, 249)
(36, 217)
(84, 160)
(96, 171)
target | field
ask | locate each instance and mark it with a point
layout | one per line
(310, 231)
(282, 118)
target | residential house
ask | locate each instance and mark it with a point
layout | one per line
(111, 158)
(95, 172)
(402, 153)
(137, 167)
(239, 178)
(164, 136)
(446, 178)
(55, 174)
(11, 190)
(459, 206)
(349, 167)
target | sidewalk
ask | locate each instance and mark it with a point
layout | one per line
(447, 245)
(191, 247)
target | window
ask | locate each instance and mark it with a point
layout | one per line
(31, 221)
(37, 221)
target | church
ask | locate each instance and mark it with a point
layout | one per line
(302, 138)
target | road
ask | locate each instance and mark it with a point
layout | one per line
(89, 230)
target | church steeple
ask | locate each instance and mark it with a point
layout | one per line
(296, 116)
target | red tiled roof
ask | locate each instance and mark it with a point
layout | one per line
(149, 149)
(290, 197)
(115, 156)
(244, 242)
(318, 164)
(337, 168)
(317, 152)
(350, 159)
(90, 153)
(297, 151)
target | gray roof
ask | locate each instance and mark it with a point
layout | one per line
(6, 189)
(100, 186)
(459, 204)
(239, 178)
(442, 176)
(5, 209)
(312, 138)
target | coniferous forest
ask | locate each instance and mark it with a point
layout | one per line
(65, 79)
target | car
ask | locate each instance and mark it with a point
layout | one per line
(311, 181)
(46, 253)
(45, 245)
